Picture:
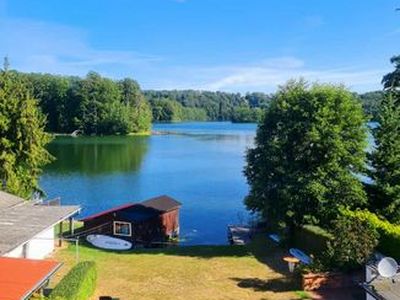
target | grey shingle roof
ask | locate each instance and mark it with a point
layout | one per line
(21, 221)
(8, 200)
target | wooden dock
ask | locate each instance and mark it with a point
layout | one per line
(239, 234)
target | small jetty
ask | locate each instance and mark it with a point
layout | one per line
(239, 234)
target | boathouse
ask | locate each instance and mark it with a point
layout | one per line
(151, 221)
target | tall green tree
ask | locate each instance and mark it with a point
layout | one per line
(391, 81)
(307, 151)
(385, 158)
(52, 93)
(140, 115)
(22, 137)
(100, 105)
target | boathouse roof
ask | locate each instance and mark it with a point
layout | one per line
(156, 205)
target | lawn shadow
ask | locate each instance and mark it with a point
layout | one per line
(260, 248)
(271, 255)
(277, 278)
(282, 284)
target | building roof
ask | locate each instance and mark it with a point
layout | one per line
(7, 200)
(22, 221)
(384, 289)
(161, 204)
(20, 277)
(381, 288)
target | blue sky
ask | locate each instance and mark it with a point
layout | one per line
(229, 45)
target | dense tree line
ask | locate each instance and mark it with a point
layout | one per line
(205, 105)
(183, 105)
(168, 110)
(94, 104)
(371, 102)
(98, 105)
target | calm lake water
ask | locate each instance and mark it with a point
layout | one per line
(201, 166)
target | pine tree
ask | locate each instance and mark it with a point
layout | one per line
(22, 137)
(385, 159)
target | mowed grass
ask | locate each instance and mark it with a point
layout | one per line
(255, 271)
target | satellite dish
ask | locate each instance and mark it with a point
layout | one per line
(387, 267)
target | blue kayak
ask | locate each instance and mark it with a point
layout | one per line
(300, 255)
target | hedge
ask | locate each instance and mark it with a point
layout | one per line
(389, 234)
(311, 239)
(78, 284)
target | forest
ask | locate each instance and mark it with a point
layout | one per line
(96, 105)
(93, 105)
(187, 105)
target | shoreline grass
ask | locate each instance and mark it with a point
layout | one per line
(255, 271)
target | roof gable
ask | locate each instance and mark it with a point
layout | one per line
(161, 204)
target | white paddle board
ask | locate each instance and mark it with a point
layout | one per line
(108, 242)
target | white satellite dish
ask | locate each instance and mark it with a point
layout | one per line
(387, 267)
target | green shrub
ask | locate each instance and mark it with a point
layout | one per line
(354, 242)
(312, 239)
(78, 284)
(389, 234)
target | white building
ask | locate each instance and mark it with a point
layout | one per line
(27, 229)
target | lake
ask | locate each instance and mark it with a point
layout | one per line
(201, 166)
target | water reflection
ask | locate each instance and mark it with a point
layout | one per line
(97, 155)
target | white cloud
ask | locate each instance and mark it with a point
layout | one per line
(267, 74)
(267, 78)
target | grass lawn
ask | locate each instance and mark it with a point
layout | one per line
(255, 271)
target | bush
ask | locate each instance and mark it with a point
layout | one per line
(354, 242)
(78, 284)
(312, 239)
(389, 234)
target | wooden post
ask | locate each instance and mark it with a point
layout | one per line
(60, 234)
(71, 226)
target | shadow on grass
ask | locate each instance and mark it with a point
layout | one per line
(283, 284)
(277, 277)
(260, 248)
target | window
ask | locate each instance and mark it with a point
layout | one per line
(122, 228)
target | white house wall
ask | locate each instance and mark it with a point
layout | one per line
(17, 252)
(41, 245)
(37, 248)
